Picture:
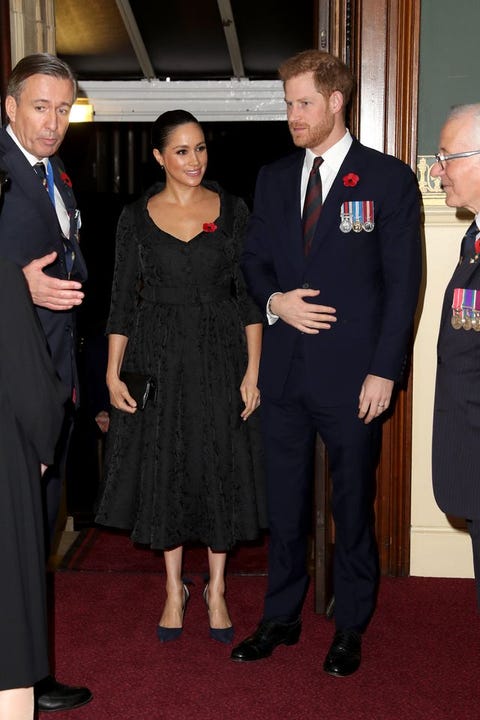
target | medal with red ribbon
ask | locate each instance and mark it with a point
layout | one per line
(466, 309)
(357, 215)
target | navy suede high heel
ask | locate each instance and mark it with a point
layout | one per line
(166, 634)
(223, 635)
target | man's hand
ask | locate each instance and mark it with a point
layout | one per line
(374, 397)
(48, 292)
(307, 317)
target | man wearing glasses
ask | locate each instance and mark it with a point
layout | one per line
(456, 422)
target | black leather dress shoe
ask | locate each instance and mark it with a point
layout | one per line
(265, 639)
(51, 695)
(345, 653)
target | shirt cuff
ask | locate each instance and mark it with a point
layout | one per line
(271, 317)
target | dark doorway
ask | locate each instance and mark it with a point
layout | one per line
(111, 164)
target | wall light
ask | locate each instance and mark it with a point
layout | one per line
(82, 111)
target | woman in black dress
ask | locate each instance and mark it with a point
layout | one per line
(31, 414)
(188, 466)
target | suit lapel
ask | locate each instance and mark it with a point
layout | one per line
(289, 195)
(63, 185)
(28, 183)
(330, 217)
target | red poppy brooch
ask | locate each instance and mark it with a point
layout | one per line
(209, 227)
(350, 180)
(64, 177)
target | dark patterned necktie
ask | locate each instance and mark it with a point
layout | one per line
(468, 241)
(39, 168)
(312, 206)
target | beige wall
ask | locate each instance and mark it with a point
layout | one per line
(437, 548)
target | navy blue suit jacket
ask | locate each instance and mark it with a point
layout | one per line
(371, 278)
(29, 229)
(456, 419)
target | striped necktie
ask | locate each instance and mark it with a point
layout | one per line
(313, 205)
(41, 171)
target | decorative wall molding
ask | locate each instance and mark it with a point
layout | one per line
(430, 187)
(208, 100)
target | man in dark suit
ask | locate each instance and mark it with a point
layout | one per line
(39, 227)
(339, 291)
(456, 420)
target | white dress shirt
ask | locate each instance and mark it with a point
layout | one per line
(332, 161)
(60, 208)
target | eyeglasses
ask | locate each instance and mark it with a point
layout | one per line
(442, 159)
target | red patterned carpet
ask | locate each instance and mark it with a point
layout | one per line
(421, 654)
(113, 551)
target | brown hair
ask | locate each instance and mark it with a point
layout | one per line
(329, 72)
(39, 64)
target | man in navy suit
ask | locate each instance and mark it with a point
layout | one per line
(456, 431)
(39, 226)
(340, 309)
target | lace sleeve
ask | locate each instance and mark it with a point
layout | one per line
(249, 311)
(125, 276)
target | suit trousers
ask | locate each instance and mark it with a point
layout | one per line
(289, 427)
(53, 481)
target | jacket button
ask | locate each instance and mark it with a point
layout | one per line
(306, 286)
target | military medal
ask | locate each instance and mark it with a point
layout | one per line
(457, 309)
(476, 316)
(345, 218)
(357, 224)
(467, 307)
(357, 215)
(368, 224)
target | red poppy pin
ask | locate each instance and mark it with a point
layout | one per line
(350, 180)
(64, 177)
(477, 246)
(209, 227)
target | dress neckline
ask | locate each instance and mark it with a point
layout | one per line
(214, 187)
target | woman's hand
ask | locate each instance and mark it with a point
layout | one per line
(120, 398)
(250, 394)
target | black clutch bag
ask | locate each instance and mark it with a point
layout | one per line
(141, 387)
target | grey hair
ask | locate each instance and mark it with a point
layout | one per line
(471, 110)
(39, 64)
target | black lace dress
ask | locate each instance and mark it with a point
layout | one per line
(186, 468)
